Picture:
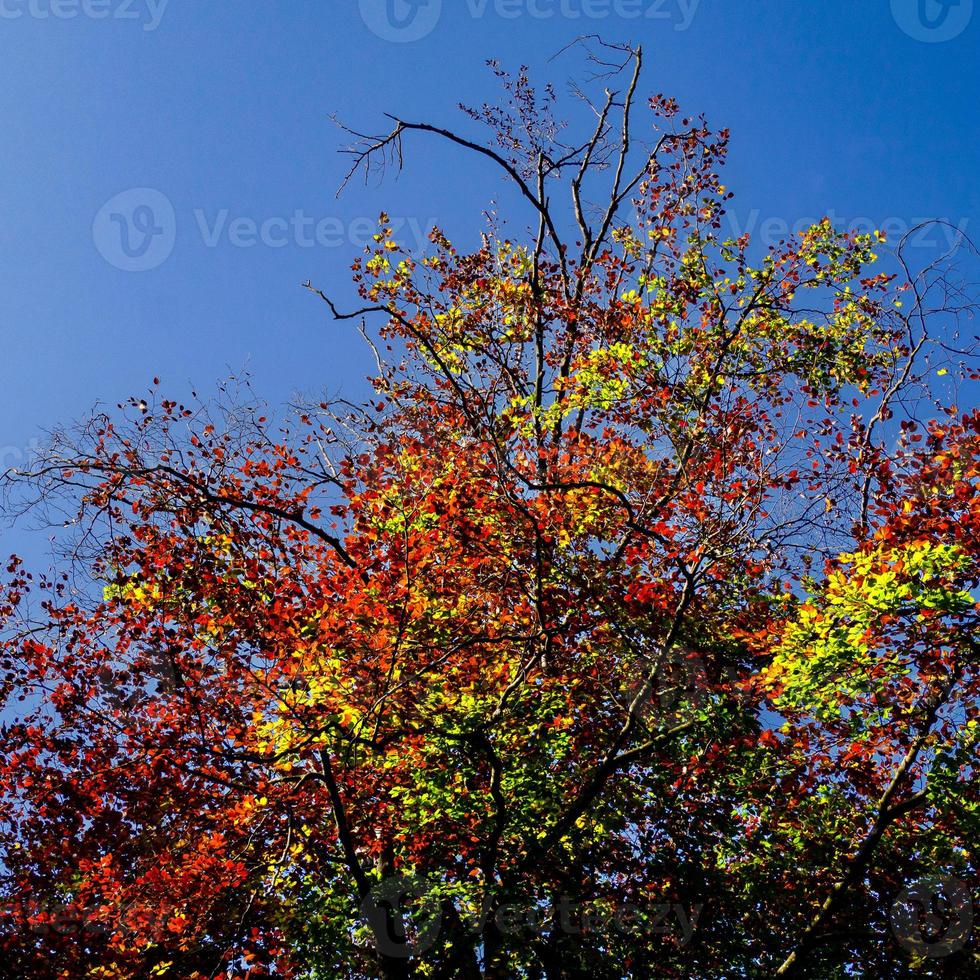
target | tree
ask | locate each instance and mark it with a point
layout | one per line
(624, 632)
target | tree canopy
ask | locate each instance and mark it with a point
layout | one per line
(629, 629)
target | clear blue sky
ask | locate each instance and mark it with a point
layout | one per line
(862, 110)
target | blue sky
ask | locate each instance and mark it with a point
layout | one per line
(206, 125)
